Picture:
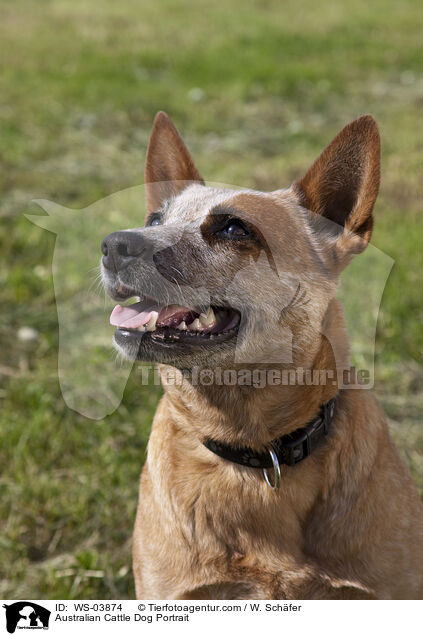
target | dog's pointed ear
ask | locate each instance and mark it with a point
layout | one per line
(342, 185)
(169, 167)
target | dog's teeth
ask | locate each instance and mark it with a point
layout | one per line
(142, 328)
(208, 319)
(151, 325)
(182, 326)
(195, 325)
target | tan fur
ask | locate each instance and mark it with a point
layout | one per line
(346, 523)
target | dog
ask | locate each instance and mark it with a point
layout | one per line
(277, 491)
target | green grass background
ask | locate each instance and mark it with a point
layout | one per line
(258, 89)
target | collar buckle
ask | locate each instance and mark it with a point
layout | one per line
(298, 448)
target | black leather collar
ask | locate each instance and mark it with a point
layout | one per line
(290, 449)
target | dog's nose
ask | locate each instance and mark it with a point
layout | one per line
(121, 248)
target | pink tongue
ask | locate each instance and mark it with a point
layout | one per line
(139, 314)
(133, 316)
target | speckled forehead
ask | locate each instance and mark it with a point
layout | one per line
(195, 202)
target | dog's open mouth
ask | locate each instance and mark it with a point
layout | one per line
(148, 319)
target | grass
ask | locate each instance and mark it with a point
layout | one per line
(258, 89)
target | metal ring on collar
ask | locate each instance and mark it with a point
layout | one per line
(276, 470)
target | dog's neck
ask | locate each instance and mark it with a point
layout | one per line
(252, 416)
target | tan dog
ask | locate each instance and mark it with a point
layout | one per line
(244, 282)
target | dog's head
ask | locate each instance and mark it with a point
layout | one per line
(227, 275)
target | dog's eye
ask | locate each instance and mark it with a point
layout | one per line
(236, 229)
(154, 219)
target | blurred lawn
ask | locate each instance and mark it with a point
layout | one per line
(258, 89)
